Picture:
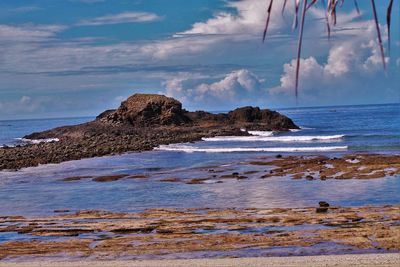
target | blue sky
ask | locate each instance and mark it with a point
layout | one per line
(80, 57)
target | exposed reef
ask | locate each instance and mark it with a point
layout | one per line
(169, 233)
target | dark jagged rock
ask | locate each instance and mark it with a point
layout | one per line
(147, 110)
(142, 122)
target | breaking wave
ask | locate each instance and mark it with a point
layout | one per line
(37, 141)
(270, 138)
(191, 149)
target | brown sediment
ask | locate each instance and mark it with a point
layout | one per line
(172, 179)
(75, 178)
(109, 178)
(197, 181)
(138, 176)
(359, 166)
(167, 230)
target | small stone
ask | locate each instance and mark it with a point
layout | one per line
(278, 156)
(61, 211)
(323, 204)
(309, 177)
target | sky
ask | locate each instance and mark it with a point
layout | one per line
(68, 58)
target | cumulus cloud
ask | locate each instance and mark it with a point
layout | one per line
(125, 17)
(249, 18)
(238, 86)
(350, 63)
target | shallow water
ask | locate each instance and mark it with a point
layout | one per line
(40, 190)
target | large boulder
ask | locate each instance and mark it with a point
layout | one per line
(147, 110)
(254, 115)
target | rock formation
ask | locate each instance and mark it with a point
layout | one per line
(147, 110)
(141, 110)
(142, 122)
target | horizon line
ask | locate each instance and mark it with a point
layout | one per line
(212, 111)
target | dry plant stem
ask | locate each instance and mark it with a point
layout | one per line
(328, 26)
(284, 6)
(379, 33)
(296, 11)
(303, 15)
(357, 8)
(268, 18)
(388, 18)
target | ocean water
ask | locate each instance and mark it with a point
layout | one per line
(331, 131)
(11, 131)
(374, 128)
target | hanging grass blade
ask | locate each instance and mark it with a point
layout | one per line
(296, 14)
(328, 26)
(388, 18)
(357, 8)
(334, 12)
(311, 4)
(303, 16)
(267, 22)
(379, 33)
(284, 6)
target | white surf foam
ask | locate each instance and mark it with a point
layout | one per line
(261, 133)
(302, 138)
(191, 149)
(37, 141)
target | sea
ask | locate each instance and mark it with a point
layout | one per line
(324, 130)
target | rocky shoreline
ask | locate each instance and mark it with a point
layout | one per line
(203, 232)
(141, 123)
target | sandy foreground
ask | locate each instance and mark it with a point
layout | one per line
(367, 260)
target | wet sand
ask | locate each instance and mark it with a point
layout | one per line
(365, 260)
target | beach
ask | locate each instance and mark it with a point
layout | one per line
(362, 260)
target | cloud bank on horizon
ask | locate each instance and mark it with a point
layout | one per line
(79, 57)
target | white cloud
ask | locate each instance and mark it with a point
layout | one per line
(249, 18)
(236, 87)
(125, 17)
(350, 63)
(28, 32)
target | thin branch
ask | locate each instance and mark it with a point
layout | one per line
(303, 16)
(357, 8)
(379, 33)
(328, 26)
(296, 12)
(268, 17)
(284, 6)
(388, 16)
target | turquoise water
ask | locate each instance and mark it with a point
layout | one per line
(330, 131)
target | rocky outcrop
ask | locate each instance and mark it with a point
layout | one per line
(142, 122)
(143, 110)
(147, 110)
